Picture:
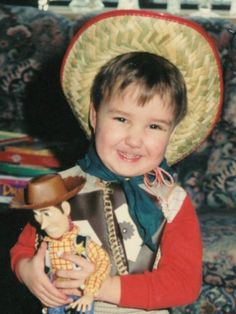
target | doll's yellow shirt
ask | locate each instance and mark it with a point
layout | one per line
(94, 253)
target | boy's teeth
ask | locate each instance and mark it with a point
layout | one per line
(129, 155)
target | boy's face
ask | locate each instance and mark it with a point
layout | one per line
(131, 139)
(53, 221)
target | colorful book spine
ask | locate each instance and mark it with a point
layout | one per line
(26, 171)
(29, 150)
(12, 137)
(9, 185)
(29, 159)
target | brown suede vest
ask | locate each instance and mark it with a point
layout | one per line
(98, 209)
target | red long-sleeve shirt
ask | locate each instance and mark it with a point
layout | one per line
(178, 278)
(176, 281)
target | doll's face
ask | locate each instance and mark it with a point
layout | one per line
(130, 139)
(54, 221)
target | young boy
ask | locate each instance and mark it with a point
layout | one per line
(140, 121)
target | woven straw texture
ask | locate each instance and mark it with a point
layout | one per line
(106, 308)
(178, 42)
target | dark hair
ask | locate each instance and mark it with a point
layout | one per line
(152, 74)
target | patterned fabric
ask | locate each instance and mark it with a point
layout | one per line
(105, 308)
(102, 267)
(218, 295)
(32, 45)
(209, 174)
(28, 40)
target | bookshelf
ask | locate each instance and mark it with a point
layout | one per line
(21, 158)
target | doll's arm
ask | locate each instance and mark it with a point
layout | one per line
(101, 262)
(99, 257)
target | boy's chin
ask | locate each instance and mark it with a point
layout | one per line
(127, 171)
(128, 174)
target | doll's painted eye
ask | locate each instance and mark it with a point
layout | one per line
(47, 213)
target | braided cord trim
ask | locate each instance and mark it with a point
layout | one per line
(107, 308)
(37, 241)
(117, 251)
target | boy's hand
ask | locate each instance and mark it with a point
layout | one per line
(110, 289)
(32, 274)
(74, 278)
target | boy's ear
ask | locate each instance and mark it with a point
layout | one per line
(92, 116)
(66, 208)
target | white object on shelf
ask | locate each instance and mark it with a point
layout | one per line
(204, 9)
(204, 4)
(173, 6)
(43, 5)
(128, 4)
(81, 5)
(233, 7)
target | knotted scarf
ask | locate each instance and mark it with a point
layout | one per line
(143, 210)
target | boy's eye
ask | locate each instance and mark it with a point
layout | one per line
(120, 119)
(155, 127)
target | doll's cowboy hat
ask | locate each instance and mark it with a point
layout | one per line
(181, 41)
(47, 190)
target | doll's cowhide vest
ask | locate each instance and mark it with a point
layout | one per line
(101, 212)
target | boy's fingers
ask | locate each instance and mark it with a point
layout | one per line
(73, 283)
(50, 296)
(74, 258)
(72, 291)
(79, 261)
(71, 274)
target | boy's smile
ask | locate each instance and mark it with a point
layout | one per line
(132, 139)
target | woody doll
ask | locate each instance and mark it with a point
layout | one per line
(48, 197)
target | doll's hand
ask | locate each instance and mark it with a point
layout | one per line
(83, 304)
(32, 274)
(75, 278)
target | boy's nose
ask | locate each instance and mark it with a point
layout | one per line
(134, 137)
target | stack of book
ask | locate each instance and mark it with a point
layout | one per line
(21, 158)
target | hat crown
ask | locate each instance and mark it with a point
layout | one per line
(46, 189)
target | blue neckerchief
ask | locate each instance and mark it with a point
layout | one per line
(146, 215)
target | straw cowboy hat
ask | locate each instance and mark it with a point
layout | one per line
(181, 41)
(47, 190)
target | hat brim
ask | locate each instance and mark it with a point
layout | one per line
(181, 41)
(19, 202)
